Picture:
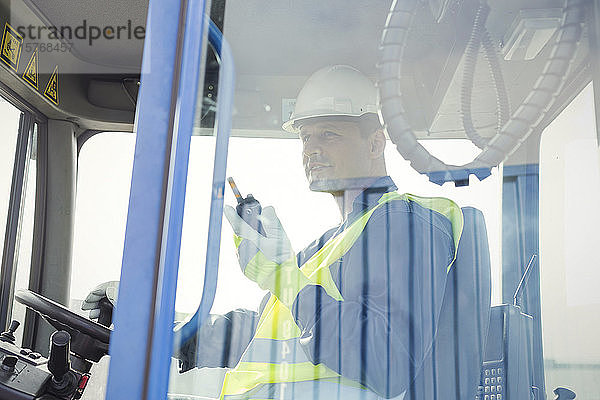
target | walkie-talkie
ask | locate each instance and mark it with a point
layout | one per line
(248, 208)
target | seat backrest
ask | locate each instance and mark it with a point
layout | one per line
(451, 371)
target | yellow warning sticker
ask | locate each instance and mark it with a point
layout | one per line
(12, 43)
(31, 71)
(51, 92)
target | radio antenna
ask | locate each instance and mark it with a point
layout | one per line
(523, 281)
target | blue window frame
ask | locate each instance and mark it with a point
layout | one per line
(165, 113)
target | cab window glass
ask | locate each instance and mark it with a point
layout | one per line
(26, 224)
(103, 181)
(9, 115)
(22, 246)
(569, 218)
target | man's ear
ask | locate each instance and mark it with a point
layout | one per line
(377, 144)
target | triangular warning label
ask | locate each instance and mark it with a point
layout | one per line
(51, 91)
(31, 71)
(11, 46)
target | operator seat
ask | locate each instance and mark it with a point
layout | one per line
(452, 369)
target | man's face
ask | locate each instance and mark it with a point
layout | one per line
(333, 150)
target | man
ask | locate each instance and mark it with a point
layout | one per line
(354, 314)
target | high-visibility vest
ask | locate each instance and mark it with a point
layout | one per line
(274, 355)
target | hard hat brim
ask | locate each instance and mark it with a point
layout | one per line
(292, 124)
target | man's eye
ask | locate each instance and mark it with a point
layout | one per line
(330, 134)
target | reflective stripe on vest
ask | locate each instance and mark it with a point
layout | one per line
(274, 355)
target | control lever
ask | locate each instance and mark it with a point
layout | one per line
(58, 362)
(9, 335)
(64, 381)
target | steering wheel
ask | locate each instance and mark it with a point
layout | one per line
(89, 339)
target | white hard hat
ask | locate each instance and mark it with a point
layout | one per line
(338, 90)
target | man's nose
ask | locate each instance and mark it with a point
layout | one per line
(311, 146)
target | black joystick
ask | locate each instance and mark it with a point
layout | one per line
(58, 361)
(9, 335)
(64, 381)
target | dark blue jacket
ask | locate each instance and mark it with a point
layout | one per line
(392, 280)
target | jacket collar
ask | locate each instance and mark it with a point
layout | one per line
(370, 196)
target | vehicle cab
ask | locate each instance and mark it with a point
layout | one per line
(122, 121)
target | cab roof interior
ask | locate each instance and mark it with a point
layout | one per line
(276, 46)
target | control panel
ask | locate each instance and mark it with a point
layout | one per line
(27, 375)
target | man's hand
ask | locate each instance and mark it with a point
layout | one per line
(267, 260)
(109, 289)
(275, 246)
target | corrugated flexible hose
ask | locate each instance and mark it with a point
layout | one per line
(480, 37)
(512, 134)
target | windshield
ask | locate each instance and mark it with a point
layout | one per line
(362, 248)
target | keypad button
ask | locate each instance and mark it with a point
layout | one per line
(25, 352)
(487, 381)
(499, 379)
(487, 372)
(498, 397)
(499, 388)
(487, 397)
(493, 389)
(487, 389)
(499, 371)
(493, 371)
(35, 356)
(493, 381)
(492, 397)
